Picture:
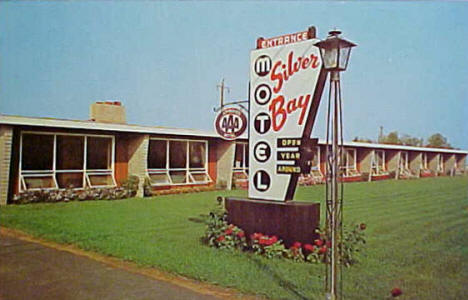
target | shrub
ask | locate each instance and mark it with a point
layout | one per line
(353, 239)
(220, 234)
(70, 194)
(147, 188)
(295, 252)
(270, 247)
(131, 184)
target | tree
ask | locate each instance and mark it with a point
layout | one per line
(408, 140)
(362, 140)
(437, 140)
(391, 138)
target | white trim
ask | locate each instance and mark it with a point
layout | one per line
(90, 125)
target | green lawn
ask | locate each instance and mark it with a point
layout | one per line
(417, 239)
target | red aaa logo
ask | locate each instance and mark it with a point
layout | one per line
(230, 123)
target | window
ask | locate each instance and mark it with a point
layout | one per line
(315, 162)
(349, 159)
(66, 161)
(98, 153)
(99, 162)
(177, 162)
(380, 160)
(178, 155)
(37, 170)
(197, 155)
(38, 181)
(241, 156)
(241, 162)
(157, 162)
(348, 162)
(404, 160)
(441, 162)
(157, 157)
(32, 144)
(197, 162)
(424, 161)
(70, 161)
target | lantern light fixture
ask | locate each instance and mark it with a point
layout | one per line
(335, 51)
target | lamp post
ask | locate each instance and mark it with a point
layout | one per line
(335, 53)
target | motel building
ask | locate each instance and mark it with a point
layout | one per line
(46, 153)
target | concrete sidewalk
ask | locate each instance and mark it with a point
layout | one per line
(32, 271)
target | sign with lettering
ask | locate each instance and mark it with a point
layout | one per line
(286, 79)
(230, 123)
(284, 39)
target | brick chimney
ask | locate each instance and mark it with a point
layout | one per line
(107, 112)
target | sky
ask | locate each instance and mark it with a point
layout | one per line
(163, 60)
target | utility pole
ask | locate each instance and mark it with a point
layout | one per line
(221, 92)
(380, 139)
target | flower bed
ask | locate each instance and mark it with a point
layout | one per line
(220, 234)
(127, 190)
(67, 195)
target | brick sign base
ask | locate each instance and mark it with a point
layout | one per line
(290, 221)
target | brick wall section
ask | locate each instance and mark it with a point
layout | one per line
(432, 162)
(364, 157)
(415, 161)
(461, 161)
(121, 159)
(449, 164)
(225, 154)
(212, 158)
(392, 157)
(137, 158)
(6, 139)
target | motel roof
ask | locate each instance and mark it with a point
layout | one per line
(130, 128)
(92, 125)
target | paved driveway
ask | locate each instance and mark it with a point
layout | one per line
(32, 271)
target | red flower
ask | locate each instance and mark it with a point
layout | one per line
(274, 239)
(323, 249)
(328, 243)
(240, 234)
(396, 292)
(318, 242)
(362, 226)
(256, 236)
(309, 247)
(297, 245)
(228, 231)
(220, 238)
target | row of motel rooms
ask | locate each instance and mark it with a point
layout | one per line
(45, 153)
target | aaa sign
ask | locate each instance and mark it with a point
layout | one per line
(230, 123)
(283, 81)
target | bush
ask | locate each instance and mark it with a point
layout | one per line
(131, 184)
(220, 234)
(147, 188)
(270, 247)
(70, 194)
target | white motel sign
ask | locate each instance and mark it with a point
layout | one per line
(283, 78)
